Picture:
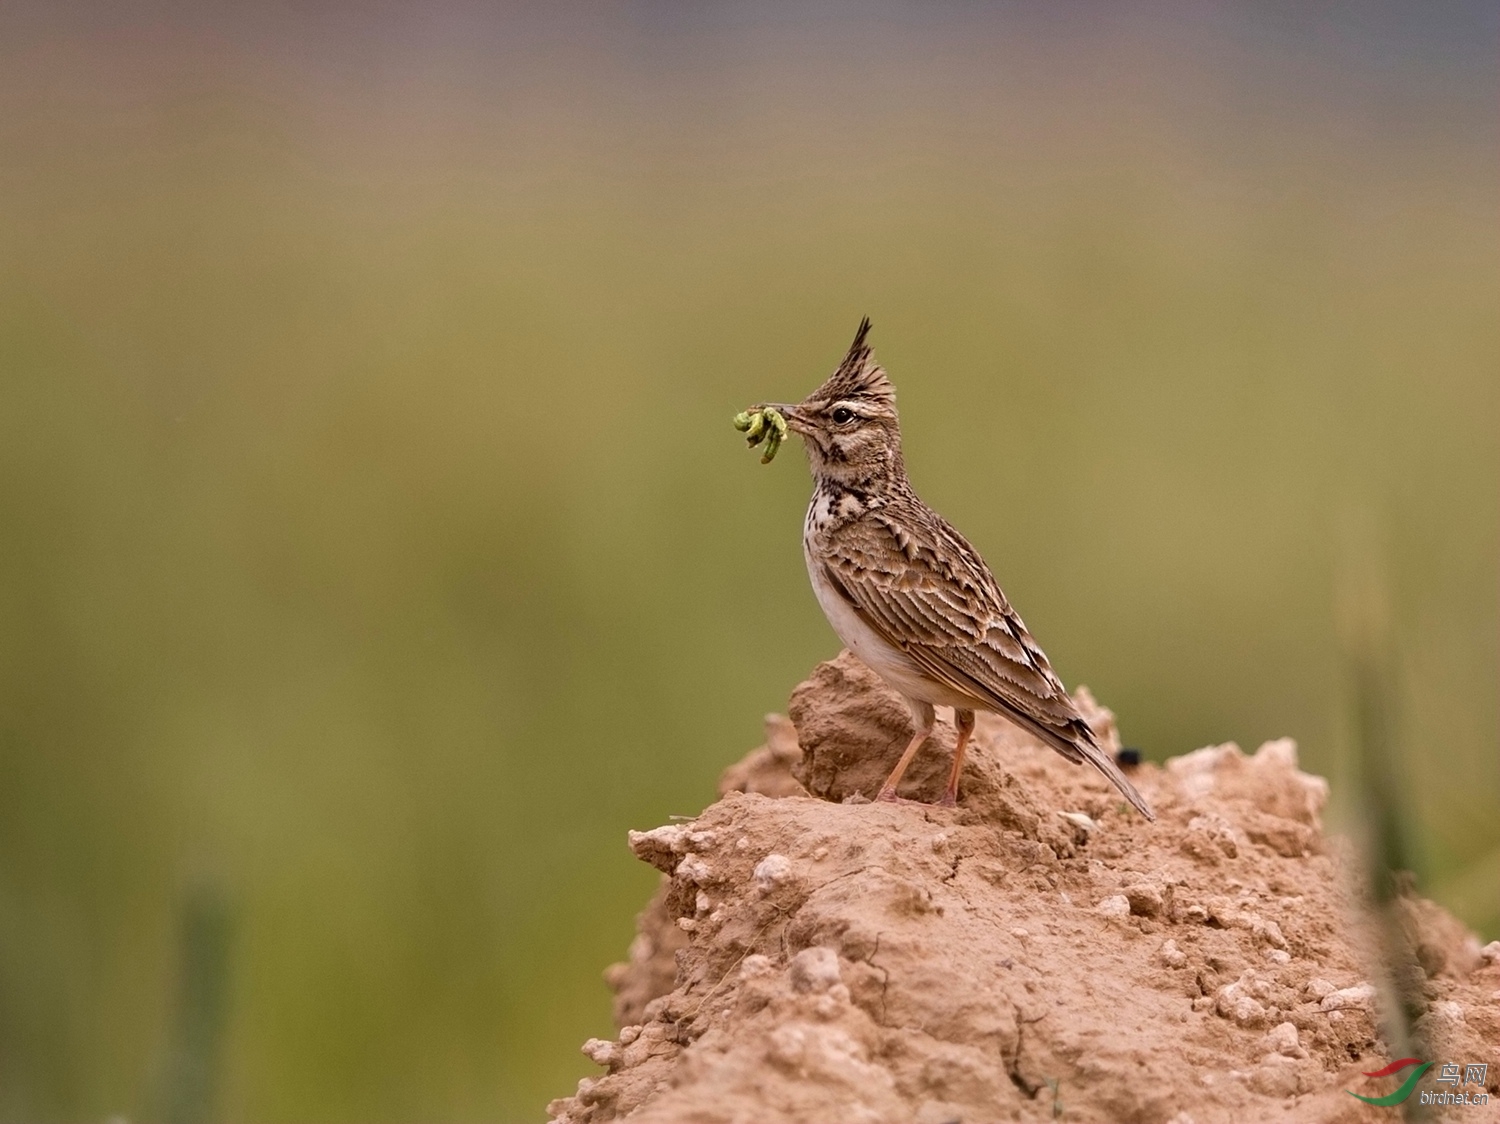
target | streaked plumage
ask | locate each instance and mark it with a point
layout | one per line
(907, 593)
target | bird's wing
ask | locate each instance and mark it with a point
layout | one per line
(925, 590)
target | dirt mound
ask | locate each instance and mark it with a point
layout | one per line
(1039, 952)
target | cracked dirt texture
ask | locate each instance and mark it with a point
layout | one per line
(1038, 953)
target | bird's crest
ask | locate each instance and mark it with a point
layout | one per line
(859, 376)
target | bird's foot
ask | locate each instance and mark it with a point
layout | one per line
(888, 796)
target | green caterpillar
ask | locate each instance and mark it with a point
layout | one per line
(765, 424)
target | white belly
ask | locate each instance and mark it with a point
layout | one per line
(881, 656)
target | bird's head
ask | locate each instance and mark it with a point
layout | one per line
(849, 424)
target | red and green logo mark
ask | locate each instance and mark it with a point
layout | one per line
(1407, 1086)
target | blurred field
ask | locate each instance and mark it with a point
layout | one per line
(375, 549)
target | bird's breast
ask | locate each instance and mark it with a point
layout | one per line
(877, 653)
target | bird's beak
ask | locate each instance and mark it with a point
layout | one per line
(794, 419)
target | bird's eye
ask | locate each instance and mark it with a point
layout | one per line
(843, 415)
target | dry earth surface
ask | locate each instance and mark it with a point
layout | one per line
(1039, 952)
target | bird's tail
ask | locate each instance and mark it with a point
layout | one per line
(1082, 747)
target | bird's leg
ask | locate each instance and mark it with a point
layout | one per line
(964, 721)
(925, 718)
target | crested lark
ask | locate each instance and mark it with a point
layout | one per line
(908, 594)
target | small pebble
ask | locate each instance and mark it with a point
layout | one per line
(671, 837)
(1318, 988)
(1116, 906)
(1356, 997)
(600, 1051)
(1080, 819)
(1239, 1008)
(815, 969)
(695, 869)
(772, 870)
(756, 965)
(1144, 899)
(1282, 1038)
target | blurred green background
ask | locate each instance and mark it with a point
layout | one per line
(375, 549)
